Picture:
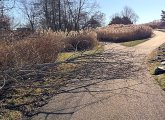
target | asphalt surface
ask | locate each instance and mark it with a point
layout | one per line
(122, 91)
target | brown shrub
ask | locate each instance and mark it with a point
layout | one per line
(14, 35)
(79, 41)
(6, 56)
(122, 33)
(153, 25)
(42, 49)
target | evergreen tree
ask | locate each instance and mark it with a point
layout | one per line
(121, 20)
(163, 16)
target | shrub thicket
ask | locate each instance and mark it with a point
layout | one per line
(123, 33)
(41, 49)
(44, 47)
(79, 41)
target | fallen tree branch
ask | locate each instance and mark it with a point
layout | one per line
(4, 82)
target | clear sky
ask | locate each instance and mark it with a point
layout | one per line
(147, 10)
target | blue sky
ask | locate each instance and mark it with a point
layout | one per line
(147, 10)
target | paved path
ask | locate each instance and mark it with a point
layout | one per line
(108, 92)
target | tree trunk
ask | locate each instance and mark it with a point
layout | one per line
(59, 8)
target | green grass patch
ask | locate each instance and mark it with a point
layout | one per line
(152, 65)
(133, 43)
(30, 96)
(69, 55)
(11, 115)
(161, 80)
(66, 67)
(136, 42)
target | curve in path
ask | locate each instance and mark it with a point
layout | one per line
(133, 95)
(148, 46)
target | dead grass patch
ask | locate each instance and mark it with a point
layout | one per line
(123, 33)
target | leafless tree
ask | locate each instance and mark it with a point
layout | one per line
(5, 6)
(96, 20)
(32, 12)
(163, 16)
(129, 13)
(64, 14)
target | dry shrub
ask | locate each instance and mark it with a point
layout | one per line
(6, 56)
(153, 25)
(44, 47)
(123, 33)
(14, 35)
(41, 49)
(79, 41)
(156, 25)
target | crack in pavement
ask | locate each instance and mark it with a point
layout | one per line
(115, 86)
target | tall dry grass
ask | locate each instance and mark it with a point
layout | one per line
(123, 33)
(44, 47)
(6, 56)
(41, 49)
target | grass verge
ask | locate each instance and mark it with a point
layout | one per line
(152, 65)
(69, 55)
(162, 30)
(133, 43)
